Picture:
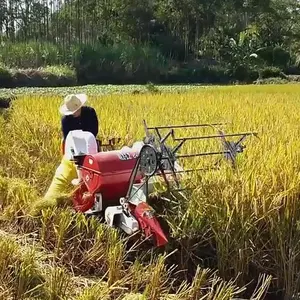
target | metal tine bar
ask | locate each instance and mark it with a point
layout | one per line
(158, 133)
(133, 176)
(240, 140)
(214, 136)
(176, 148)
(170, 133)
(164, 176)
(193, 170)
(171, 165)
(201, 154)
(162, 140)
(139, 188)
(185, 126)
(146, 127)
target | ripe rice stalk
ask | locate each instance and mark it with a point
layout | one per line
(17, 195)
(115, 257)
(20, 271)
(58, 283)
(96, 291)
(6, 291)
(9, 253)
(61, 229)
(29, 281)
(139, 276)
(199, 281)
(98, 250)
(263, 284)
(46, 222)
(87, 226)
(159, 281)
(221, 289)
(245, 221)
(94, 257)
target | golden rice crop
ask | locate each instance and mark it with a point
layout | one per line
(242, 222)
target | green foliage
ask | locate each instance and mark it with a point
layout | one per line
(5, 77)
(5, 101)
(243, 73)
(294, 78)
(30, 54)
(272, 80)
(200, 74)
(136, 42)
(123, 63)
(281, 57)
(60, 70)
(93, 90)
(270, 72)
(44, 77)
(275, 56)
(50, 76)
(170, 46)
(119, 63)
(292, 70)
(152, 88)
(266, 53)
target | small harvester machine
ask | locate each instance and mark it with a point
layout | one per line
(116, 183)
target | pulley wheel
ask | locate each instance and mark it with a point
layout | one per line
(149, 161)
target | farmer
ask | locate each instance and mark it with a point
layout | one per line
(76, 117)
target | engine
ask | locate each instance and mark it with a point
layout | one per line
(108, 173)
(103, 177)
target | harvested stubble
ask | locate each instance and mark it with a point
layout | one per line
(242, 223)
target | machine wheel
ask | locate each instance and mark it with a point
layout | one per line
(149, 160)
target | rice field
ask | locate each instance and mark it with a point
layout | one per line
(237, 236)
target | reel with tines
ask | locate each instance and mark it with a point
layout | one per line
(149, 160)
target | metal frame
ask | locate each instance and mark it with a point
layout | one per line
(231, 149)
(167, 156)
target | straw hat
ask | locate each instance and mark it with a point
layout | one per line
(72, 103)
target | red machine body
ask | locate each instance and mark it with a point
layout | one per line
(109, 172)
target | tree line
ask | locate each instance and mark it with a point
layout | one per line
(239, 35)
